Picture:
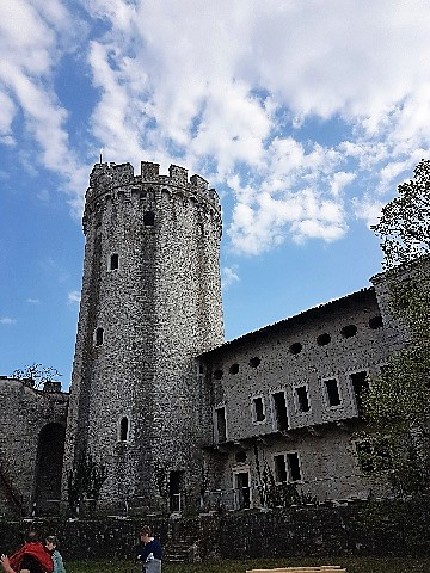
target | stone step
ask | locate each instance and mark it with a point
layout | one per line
(178, 550)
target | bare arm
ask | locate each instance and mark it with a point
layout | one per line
(4, 560)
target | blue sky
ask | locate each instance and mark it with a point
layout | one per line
(305, 116)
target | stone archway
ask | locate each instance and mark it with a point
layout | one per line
(49, 465)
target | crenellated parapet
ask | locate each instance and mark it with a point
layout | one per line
(117, 183)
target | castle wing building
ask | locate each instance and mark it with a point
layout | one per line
(163, 414)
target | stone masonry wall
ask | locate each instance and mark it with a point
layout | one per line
(151, 302)
(359, 529)
(26, 414)
(268, 362)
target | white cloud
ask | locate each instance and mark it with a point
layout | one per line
(218, 100)
(229, 276)
(32, 300)
(7, 113)
(368, 209)
(74, 297)
(7, 321)
(339, 181)
(34, 34)
(233, 90)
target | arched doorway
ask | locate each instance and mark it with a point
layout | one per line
(49, 465)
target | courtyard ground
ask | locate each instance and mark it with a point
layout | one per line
(352, 564)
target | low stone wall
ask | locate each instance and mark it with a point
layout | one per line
(366, 529)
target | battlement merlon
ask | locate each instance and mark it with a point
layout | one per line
(199, 182)
(111, 174)
(149, 171)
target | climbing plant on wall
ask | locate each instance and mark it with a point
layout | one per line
(85, 482)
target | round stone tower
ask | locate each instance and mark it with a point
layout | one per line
(150, 303)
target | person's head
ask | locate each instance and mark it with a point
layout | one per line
(51, 543)
(145, 533)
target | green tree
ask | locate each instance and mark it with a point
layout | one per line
(37, 374)
(396, 441)
(404, 224)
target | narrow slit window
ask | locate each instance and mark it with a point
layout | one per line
(149, 218)
(114, 260)
(124, 429)
(221, 425)
(99, 336)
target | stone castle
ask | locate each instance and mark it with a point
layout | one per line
(172, 416)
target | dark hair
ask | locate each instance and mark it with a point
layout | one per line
(31, 563)
(145, 530)
(52, 539)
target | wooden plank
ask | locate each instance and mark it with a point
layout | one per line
(298, 568)
(310, 569)
(301, 568)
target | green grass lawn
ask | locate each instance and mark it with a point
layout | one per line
(353, 565)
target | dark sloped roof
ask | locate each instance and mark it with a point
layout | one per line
(300, 318)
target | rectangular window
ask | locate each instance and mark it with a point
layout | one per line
(359, 384)
(294, 471)
(114, 262)
(302, 399)
(176, 487)
(332, 392)
(281, 474)
(221, 425)
(280, 411)
(258, 414)
(242, 491)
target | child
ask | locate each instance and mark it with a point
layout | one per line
(30, 558)
(149, 552)
(51, 544)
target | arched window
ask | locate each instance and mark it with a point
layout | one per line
(124, 428)
(99, 336)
